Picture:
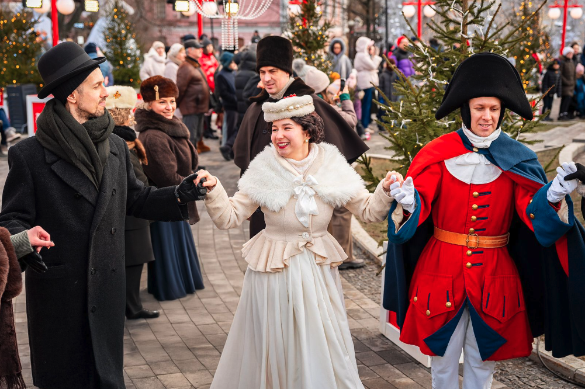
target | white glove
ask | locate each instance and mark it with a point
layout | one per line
(560, 188)
(405, 194)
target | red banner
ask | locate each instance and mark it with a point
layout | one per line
(37, 108)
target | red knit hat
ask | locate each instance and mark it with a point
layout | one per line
(400, 39)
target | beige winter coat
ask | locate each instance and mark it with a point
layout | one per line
(270, 183)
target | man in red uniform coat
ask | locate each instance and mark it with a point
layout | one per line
(470, 189)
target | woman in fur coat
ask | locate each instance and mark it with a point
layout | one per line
(171, 157)
(290, 329)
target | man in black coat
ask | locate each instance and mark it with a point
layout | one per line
(274, 64)
(75, 179)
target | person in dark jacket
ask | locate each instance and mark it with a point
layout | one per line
(120, 103)
(171, 157)
(551, 78)
(226, 89)
(76, 180)
(194, 91)
(568, 80)
(246, 72)
(387, 80)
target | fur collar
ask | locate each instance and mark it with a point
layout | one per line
(149, 120)
(298, 87)
(269, 178)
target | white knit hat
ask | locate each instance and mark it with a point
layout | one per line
(567, 50)
(121, 97)
(317, 80)
(288, 107)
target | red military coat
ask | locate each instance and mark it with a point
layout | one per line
(447, 275)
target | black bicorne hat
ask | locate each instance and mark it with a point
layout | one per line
(486, 75)
(63, 62)
(274, 51)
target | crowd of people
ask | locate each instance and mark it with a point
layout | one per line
(113, 182)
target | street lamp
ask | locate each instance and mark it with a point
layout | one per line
(554, 12)
(408, 8)
(65, 7)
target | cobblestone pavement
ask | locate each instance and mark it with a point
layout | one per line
(181, 348)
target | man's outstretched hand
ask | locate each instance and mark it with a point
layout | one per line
(188, 191)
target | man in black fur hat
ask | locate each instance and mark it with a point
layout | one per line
(484, 255)
(274, 63)
(75, 178)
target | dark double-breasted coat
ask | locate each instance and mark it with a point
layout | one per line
(76, 309)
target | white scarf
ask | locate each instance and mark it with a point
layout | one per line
(305, 195)
(475, 168)
(479, 141)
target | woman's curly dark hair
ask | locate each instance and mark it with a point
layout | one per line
(313, 123)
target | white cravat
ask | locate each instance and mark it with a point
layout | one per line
(474, 168)
(305, 195)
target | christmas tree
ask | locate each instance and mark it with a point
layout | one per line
(19, 49)
(308, 34)
(121, 49)
(533, 53)
(463, 27)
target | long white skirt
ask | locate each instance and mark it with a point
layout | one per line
(290, 331)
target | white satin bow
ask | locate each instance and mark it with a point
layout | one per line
(305, 195)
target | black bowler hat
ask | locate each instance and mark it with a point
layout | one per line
(63, 66)
(274, 51)
(486, 75)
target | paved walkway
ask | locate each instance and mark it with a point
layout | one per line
(181, 348)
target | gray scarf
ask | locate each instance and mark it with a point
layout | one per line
(280, 94)
(85, 146)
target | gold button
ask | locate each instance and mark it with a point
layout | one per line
(475, 150)
(415, 299)
(532, 216)
(471, 230)
(530, 201)
(469, 253)
(428, 313)
(448, 305)
(468, 265)
(475, 194)
(473, 218)
(474, 207)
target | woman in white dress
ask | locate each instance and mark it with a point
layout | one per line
(290, 330)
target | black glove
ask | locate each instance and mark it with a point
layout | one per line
(35, 262)
(186, 191)
(579, 174)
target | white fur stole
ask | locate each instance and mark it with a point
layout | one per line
(269, 184)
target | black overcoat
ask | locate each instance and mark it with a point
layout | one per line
(76, 309)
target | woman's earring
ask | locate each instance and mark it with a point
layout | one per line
(307, 140)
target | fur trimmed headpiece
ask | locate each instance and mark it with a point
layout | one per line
(158, 87)
(121, 97)
(288, 107)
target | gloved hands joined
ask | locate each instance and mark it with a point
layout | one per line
(579, 174)
(404, 194)
(187, 191)
(563, 184)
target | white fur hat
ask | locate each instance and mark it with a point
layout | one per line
(288, 107)
(121, 97)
